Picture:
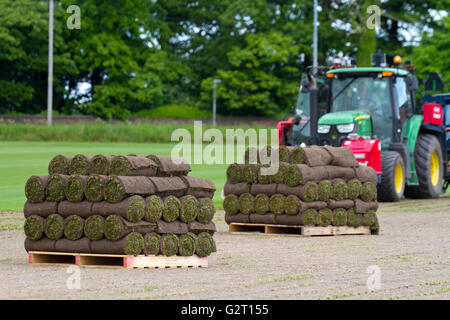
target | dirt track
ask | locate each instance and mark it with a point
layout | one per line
(412, 252)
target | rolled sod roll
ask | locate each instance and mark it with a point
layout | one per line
(310, 217)
(363, 207)
(154, 207)
(43, 209)
(133, 166)
(366, 174)
(346, 204)
(354, 188)
(34, 227)
(335, 172)
(300, 174)
(324, 190)
(152, 243)
(292, 205)
(171, 210)
(251, 155)
(118, 188)
(205, 245)
(94, 227)
(314, 156)
(197, 227)
(369, 192)
(74, 227)
(94, 188)
(75, 188)
(43, 244)
(231, 204)
(82, 245)
(169, 244)
(237, 218)
(339, 217)
(316, 205)
(289, 219)
(296, 155)
(100, 164)
(234, 173)
(132, 208)
(246, 203)
(341, 156)
(267, 189)
(169, 186)
(261, 203)
(370, 219)
(59, 165)
(132, 245)
(54, 226)
(307, 192)
(281, 173)
(261, 178)
(265, 152)
(276, 203)
(55, 187)
(340, 189)
(283, 152)
(170, 166)
(187, 244)
(199, 187)
(237, 188)
(80, 165)
(175, 227)
(268, 218)
(35, 188)
(117, 227)
(206, 210)
(189, 208)
(354, 219)
(325, 217)
(82, 209)
(250, 173)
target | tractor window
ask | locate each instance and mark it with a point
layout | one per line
(401, 93)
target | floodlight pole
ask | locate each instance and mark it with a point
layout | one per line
(315, 63)
(50, 65)
(215, 82)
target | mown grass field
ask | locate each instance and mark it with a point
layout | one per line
(20, 160)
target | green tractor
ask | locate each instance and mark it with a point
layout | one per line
(377, 103)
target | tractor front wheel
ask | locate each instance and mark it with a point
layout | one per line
(393, 177)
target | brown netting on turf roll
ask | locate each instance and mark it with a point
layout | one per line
(369, 192)
(131, 208)
(132, 244)
(171, 210)
(197, 227)
(231, 204)
(341, 156)
(317, 205)
(152, 243)
(234, 173)
(80, 165)
(82, 209)
(118, 188)
(335, 172)
(189, 208)
(366, 174)
(307, 192)
(346, 204)
(268, 218)
(73, 227)
(276, 203)
(34, 227)
(175, 227)
(75, 188)
(55, 187)
(35, 188)
(354, 188)
(117, 227)
(82, 245)
(132, 166)
(237, 218)
(363, 207)
(154, 207)
(237, 188)
(199, 187)
(94, 227)
(339, 217)
(43, 244)
(165, 186)
(54, 227)
(170, 166)
(169, 244)
(187, 244)
(206, 210)
(100, 164)
(340, 189)
(59, 165)
(246, 203)
(315, 156)
(289, 219)
(261, 204)
(43, 209)
(94, 188)
(325, 216)
(267, 189)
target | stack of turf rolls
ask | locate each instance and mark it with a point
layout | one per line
(120, 205)
(314, 186)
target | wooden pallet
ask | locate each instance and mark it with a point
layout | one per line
(39, 258)
(306, 231)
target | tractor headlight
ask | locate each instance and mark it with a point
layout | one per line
(345, 128)
(323, 129)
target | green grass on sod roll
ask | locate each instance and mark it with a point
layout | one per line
(234, 173)
(310, 217)
(354, 219)
(74, 190)
(279, 176)
(73, 227)
(283, 154)
(187, 244)
(354, 188)
(263, 179)
(114, 228)
(206, 210)
(114, 190)
(152, 243)
(79, 165)
(189, 209)
(54, 227)
(250, 173)
(369, 218)
(311, 192)
(94, 188)
(169, 244)
(154, 207)
(35, 189)
(231, 204)
(134, 244)
(246, 203)
(340, 191)
(59, 165)
(339, 217)
(205, 244)
(292, 204)
(136, 208)
(368, 192)
(297, 156)
(261, 203)
(325, 190)
(325, 217)
(94, 227)
(276, 203)
(34, 227)
(99, 165)
(55, 187)
(171, 209)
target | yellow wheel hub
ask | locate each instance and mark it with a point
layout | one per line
(434, 169)
(399, 179)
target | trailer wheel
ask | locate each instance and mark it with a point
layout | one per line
(393, 178)
(429, 169)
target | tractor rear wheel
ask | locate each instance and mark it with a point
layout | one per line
(428, 161)
(393, 177)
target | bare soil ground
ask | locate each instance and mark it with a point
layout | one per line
(412, 253)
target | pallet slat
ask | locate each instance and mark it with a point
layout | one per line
(305, 231)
